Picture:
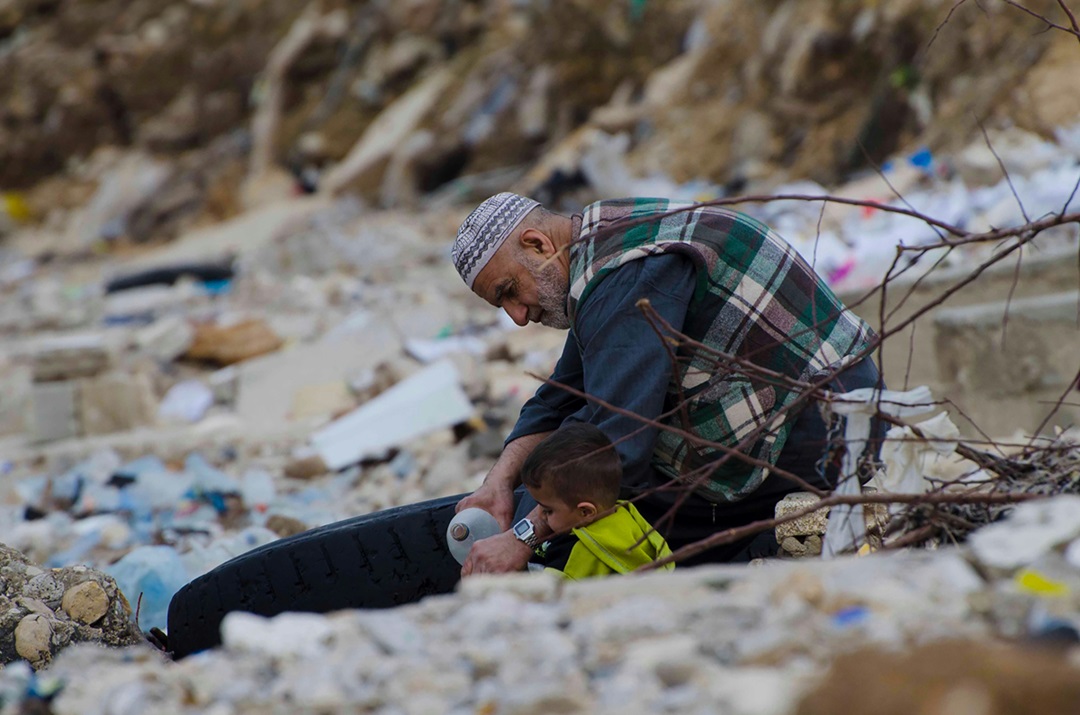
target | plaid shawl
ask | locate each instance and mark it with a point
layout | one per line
(756, 299)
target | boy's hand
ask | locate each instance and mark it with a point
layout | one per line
(502, 553)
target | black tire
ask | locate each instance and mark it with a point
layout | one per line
(379, 560)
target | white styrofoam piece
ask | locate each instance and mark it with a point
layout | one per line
(429, 400)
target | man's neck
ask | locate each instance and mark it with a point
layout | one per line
(562, 236)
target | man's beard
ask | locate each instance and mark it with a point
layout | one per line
(552, 290)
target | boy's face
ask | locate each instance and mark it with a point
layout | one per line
(560, 516)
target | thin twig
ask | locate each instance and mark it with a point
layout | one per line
(732, 535)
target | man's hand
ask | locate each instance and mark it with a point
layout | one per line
(496, 498)
(502, 553)
(496, 494)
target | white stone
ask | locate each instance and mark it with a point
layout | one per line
(289, 635)
(1030, 531)
(166, 339)
(32, 637)
(393, 632)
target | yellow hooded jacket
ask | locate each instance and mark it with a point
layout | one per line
(606, 546)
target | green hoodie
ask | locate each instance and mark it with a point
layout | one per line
(606, 546)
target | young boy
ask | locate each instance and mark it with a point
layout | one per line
(574, 476)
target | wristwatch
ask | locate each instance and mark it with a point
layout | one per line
(526, 533)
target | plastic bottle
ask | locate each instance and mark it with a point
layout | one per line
(468, 527)
(157, 573)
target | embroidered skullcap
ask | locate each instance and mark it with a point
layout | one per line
(485, 230)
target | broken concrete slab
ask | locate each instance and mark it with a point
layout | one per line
(429, 400)
(64, 357)
(268, 385)
(53, 411)
(166, 339)
(115, 402)
(321, 399)
(15, 388)
(388, 131)
(237, 236)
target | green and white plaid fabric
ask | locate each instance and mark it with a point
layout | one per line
(756, 300)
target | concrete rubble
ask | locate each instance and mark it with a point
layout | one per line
(768, 640)
(228, 315)
(47, 610)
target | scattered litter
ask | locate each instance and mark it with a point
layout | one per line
(186, 401)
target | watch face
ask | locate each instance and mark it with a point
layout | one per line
(522, 528)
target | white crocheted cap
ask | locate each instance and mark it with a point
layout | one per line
(484, 231)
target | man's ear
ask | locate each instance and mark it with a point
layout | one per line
(586, 509)
(533, 239)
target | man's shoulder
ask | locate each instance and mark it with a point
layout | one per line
(607, 211)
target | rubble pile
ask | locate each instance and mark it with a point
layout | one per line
(752, 641)
(46, 610)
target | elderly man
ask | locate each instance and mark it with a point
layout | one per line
(718, 277)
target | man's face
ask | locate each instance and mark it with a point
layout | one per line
(529, 291)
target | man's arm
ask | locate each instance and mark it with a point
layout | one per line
(496, 494)
(542, 414)
(627, 364)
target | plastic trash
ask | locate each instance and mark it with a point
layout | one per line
(847, 525)
(160, 489)
(186, 402)
(257, 489)
(905, 455)
(207, 478)
(155, 573)
(468, 527)
(1031, 530)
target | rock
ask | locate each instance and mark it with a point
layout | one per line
(305, 465)
(33, 638)
(87, 602)
(793, 546)
(166, 339)
(290, 635)
(228, 344)
(813, 523)
(285, 526)
(44, 611)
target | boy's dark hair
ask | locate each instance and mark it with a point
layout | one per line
(579, 463)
